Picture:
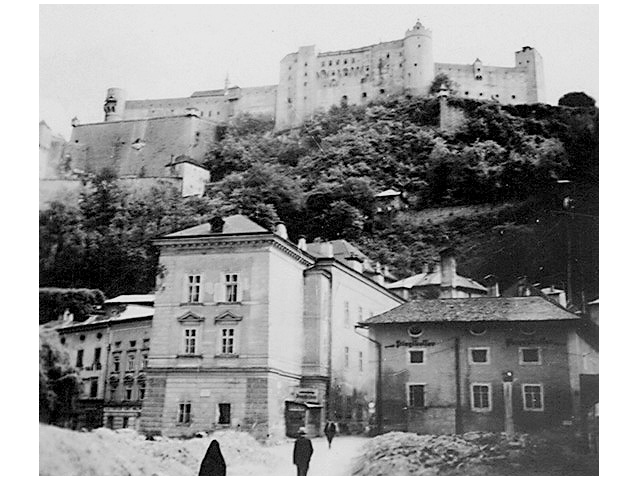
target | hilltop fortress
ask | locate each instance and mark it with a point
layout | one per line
(164, 138)
(312, 81)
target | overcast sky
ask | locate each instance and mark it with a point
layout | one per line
(162, 51)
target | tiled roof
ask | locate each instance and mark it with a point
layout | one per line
(435, 278)
(478, 309)
(232, 225)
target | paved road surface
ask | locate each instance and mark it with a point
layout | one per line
(324, 462)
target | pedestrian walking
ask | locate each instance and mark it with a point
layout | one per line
(330, 432)
(213, 464)
(302, 451)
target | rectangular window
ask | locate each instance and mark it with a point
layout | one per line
(416, 356)
(227, 340)
(144, 360)
(193, 288)
(116, 362)
(190, 341)
(224, 413)
(93, 389)
(530, 356)
(184, 413)
(360, 361)
(231, 287)
(481, 397)
(479, 356)
(131, 361)
(97, 353)
(141, 391)
(416, 395)
(532, 397)
(360, 314)
(347, 320)
(128, 392)
(348, 412)
(79, 358)
(112, 394)
(346, 357)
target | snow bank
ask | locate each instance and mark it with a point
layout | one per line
(125, 452)
(398, 453)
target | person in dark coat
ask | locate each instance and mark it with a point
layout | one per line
(302, 451)
(213, 464)
(330, 432)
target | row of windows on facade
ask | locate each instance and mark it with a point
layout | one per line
(91, 390)
(482, 356)
(194, 288)
(360, 359)
(185, 413)
(116, 357)
(345, 61)
(481, 395)
(227, 341)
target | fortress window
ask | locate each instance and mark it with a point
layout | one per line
(466, 93)
(382, 90)
(345, 61)
(415, 64)
(480, 93)
(364, 94)
(353, 60)
(333, 74)
(512, 96)
(305, 84)
(419, 45)
(305, 64)
(387, 55)
(330, 63)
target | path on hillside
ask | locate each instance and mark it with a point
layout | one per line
(325, 462)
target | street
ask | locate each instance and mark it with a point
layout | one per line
(324, 462)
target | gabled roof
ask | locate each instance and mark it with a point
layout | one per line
(435, 278)
(235, 224)
(477, 309)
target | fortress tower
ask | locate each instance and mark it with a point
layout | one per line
(418, 67)
(529, 60)
(114, 104)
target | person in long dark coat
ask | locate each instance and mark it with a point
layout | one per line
(302, 451)
(330, 432)
(213, 464)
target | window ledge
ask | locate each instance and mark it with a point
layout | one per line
(228, 303)
(189, 355)
(227, 355)
(183, 304)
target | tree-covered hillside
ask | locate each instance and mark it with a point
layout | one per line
(495, 176)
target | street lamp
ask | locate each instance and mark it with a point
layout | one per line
(378, 378)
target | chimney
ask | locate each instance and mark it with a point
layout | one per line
(493, 289)
(449, 275)
(302, 243)
(281, 230)
(216, 223)
(378, 277)
(326, 250)
(355, 263)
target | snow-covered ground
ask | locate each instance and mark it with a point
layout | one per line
(106, 452)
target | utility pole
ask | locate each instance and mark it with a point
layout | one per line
(568, 205)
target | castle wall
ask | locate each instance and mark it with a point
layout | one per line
(506, 85)
(139, 147)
